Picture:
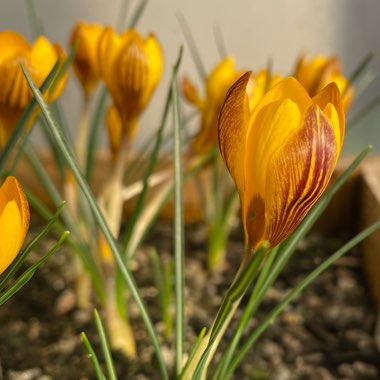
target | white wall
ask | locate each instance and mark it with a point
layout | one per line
(254, 31)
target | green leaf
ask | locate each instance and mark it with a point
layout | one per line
(252, 338)
(99, 217)
(20, 126)
(30, 246)
(105, 347)
(93, 357)
(28, 274)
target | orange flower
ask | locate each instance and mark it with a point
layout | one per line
(281, 154)
(318, 72)
(85, 62)
(114, 129)
(218, 82)
(131, 67)
(15, 94)
(14, 221)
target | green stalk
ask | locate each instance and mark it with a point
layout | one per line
(178, 228)
(93, 357)
(251, 339)
(220, 42)
(137, 14)
(20, 126)
(249, 310)
(105, 346)
(83, 184)
(192, 46)
(94, 132)
(250, 266)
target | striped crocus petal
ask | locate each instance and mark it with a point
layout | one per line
(14, 221)
(298, 173)
(232, 129)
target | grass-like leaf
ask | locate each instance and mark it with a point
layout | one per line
(28, 112)
(105, 347)
(178, 228)
(192, 45)
(98, 215)
(23, 254)
(28, 274)
(92, 355)
(252, 338)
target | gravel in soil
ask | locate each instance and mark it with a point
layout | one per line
(326, 334)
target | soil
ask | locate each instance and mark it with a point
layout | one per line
(326, 334)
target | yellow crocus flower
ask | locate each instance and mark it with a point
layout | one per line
(86, 38)
(114, 129)
(14, 221)
(319, 71)
(15, 94)
(281, 154)
(217, 83)
(131, 68)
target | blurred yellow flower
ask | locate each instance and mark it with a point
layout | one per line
(86, 38)
(15, 94)
(218, 82)
(318, 72)
(281, 154)
(14, 221)
(114, 129)
(131, 67)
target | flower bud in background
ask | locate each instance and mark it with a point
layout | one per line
(14, 221)
(131, 67)
(318, 72)
(218, 82)
(114, 129)
(86, 38)
(281, 154)
(15, 94)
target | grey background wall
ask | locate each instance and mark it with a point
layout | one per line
(254, 31)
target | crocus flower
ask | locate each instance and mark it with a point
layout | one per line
(14, 221)
(86, 37)
(281, 154)
(114, 129)
(217, 83)
(15, 94)
(318, 72)
(131, 67)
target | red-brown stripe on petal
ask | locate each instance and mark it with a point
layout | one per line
(232, 127)
(298, 173)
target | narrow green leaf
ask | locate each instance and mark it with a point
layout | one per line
(98, 215)
(28, 274)
(105, 347)
(94, 132)
(178, 228)
(137, 14)
(252, 338)
(192, 45)
(92, 355)
(28, 112)
(219, 41)
(29, 247)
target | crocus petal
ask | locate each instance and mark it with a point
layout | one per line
(14, 221)
(14, 42)
(131, 67)
(268, 133)
(86, 38)
(329, 100)
(309, 156)
(232, 129)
